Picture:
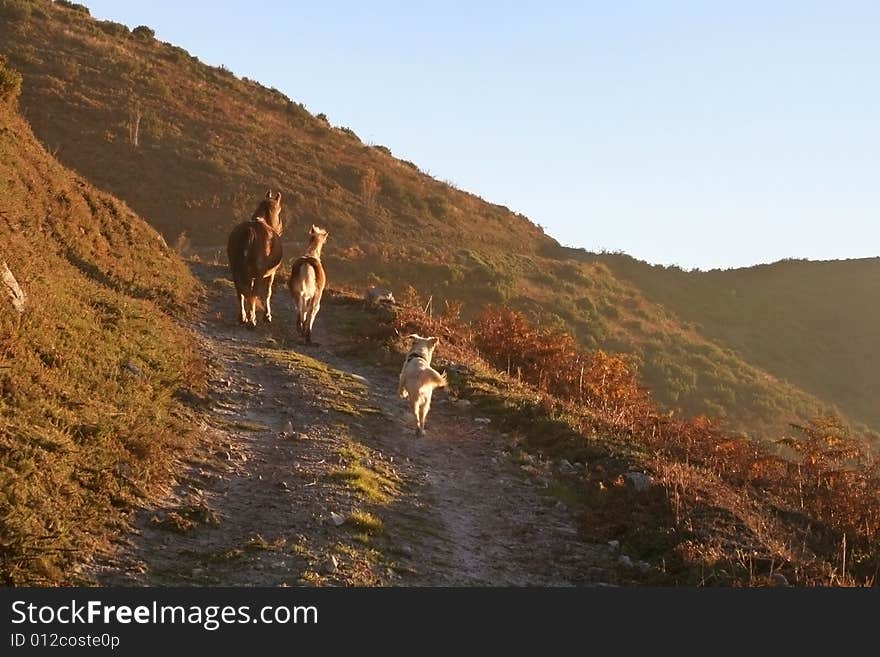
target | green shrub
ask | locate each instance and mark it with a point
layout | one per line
(112, 28)
(351, 133)
(10, 82)
(438, 206)
(16, 10)
(144, 32)
(159, 87)
(296, 109)
(74, 6)
(176, 53)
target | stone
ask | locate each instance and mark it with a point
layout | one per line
(14, 293)
(378, 295)
(640, 481)
(779, 579)
(565, 465)
(336, 518)
(330, 565)
(482, 420)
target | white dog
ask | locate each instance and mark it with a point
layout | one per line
(418, 379)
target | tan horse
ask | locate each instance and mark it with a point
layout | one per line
(254, 250)
(307, 281)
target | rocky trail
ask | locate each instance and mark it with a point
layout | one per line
(313, 475)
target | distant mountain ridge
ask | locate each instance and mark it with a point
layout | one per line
(817, 323)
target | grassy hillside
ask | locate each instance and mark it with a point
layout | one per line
(90, 373)
(208, 143)
(717, 509)
(811, 322)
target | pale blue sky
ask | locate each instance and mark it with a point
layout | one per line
(703, 134)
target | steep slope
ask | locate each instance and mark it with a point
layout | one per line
(207, 142)
(91, 371)
(811, 322)
(189, 146)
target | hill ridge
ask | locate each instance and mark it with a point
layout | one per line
(209, 142)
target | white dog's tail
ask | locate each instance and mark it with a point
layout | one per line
(438, 380)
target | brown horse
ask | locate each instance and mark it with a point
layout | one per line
(307, 281)
(254, 250)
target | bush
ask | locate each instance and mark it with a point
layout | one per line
(438, 206)
(15, 10)
(112, 28)
(552, 361)
(144, 32)
(74, 6)
(296, 109)
(10, 82)
(175, 53)
(348, 131)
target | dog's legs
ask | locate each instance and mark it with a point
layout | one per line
(423, 411)
(416, 402)
(401, 387)
(418, 405)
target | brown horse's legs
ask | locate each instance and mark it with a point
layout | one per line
(243, 312)
(252, 311)
(267, 282)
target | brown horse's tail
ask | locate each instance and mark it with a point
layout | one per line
(239, 257)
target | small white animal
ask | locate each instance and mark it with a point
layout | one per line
(418, 379)
(378, 295)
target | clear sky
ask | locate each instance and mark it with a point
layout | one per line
(703, 134)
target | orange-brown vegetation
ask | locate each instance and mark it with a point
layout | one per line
(94, 372)
(736, 510)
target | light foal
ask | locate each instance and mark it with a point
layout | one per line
(307, 281)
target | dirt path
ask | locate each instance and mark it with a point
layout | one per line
(315, 476)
